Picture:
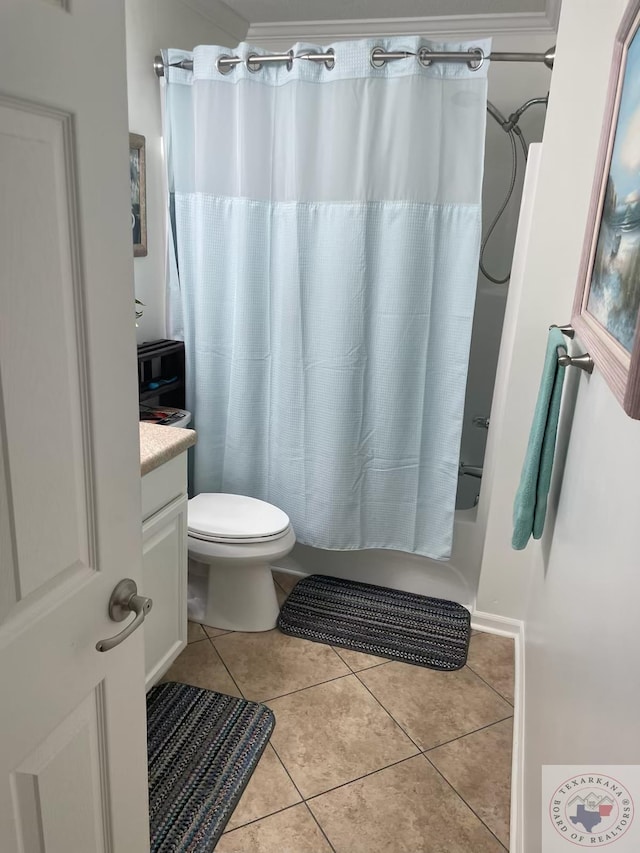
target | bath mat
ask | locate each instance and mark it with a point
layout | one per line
(202, 749)
(378, 621)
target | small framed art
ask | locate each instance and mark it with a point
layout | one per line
(137, 169)
(607, 300)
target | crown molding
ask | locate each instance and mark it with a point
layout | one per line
(221, 16)
(552, 12)
(283, 33)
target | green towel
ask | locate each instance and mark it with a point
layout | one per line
(530, 505)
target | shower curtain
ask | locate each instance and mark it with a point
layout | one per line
(325, 228)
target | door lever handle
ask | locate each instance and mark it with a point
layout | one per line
(125, 600)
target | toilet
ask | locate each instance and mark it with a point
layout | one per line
(232, 541)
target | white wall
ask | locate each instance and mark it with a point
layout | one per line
(152, 25)
(566, 171)
(578, 589)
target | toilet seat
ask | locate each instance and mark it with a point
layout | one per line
(226, 518)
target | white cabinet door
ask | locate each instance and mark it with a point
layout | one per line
(164, 572)
(72, 720)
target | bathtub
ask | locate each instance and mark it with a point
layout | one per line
(455, 579)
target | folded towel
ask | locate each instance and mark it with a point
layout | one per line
(530, 505)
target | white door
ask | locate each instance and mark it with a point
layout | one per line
(72, 719)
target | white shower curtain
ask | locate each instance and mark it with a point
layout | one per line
(326, 227)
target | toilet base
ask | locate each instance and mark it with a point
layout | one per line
(240, 601)
(240, 592)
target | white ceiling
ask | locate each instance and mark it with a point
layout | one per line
(272, 11)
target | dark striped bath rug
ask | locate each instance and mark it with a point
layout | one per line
(378, 621)
(202, 749)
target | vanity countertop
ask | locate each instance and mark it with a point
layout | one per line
(159, 444)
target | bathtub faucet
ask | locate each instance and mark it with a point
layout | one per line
(470, 470)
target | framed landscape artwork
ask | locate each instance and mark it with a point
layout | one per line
(137, 169)
(607, 301)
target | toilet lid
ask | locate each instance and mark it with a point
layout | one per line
(236, 517)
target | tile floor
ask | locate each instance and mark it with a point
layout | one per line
(368, 755)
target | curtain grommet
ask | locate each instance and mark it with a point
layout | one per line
(226, 67)
(479, 54)
(289, 64)
(253, 62)
(330, 64)
(423, 54)
(374, 58)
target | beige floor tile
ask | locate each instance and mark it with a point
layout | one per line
(195, 632)
(358, 660)
(434, 707)
(285, 581)
(492, 658)
(333, 733)
(214, 632)
(407, 807)
(199, 664)
(269, 790)
(269, 663)
(479, 768)
(290, 831)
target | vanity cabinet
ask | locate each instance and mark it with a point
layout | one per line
(164, 564)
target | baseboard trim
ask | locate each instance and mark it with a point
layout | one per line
(516, 826)
(492, 624)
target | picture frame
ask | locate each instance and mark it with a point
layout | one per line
(137, 175)
(606, 306)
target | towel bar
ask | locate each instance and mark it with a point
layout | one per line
(567, 330)
(584, 361)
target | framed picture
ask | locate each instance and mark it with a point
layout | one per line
(607, 300)
(137, 169)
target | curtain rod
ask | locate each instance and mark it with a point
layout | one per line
(474, 58)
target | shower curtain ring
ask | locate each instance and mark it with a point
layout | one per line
(253, 62)
(479, 53)
(423, 59)
(226, 67)
(330, 64)
(375, 59)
